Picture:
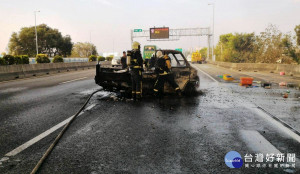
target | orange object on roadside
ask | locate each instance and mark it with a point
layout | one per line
(282, 84)
(246, 81)
(282, 73)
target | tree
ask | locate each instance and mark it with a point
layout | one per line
(57, 59)
(101, 58)
(236, 47)
(92, 58)
(42, 58)
(85, 49)
(9, 59)
(203, 52)
(66, 46)
(297, 30)
(269, 46)
(25, 59)
(50, 41)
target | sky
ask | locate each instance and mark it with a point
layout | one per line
(107, 23)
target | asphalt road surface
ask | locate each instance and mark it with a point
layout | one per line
(178, 135)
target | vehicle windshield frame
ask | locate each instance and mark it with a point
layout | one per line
(179, 63)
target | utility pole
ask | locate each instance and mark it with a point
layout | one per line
(213, 35)
(91, 42)
(36, 39)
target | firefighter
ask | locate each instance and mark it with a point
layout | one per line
(123, 60)
(163, 71)
(135, 62)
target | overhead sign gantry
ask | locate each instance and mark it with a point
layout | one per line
(167, 34)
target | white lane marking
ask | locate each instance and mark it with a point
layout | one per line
(90, 107)
(207, 75)
(43, 135)
(277, 124)
(73, 80)
(257, 142)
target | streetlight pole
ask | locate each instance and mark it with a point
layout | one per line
(213, 28)
(36, 41)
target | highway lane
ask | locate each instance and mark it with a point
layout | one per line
(31, 106)
(182, 135)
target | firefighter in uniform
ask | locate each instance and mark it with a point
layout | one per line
(135, 62)
(163, 71)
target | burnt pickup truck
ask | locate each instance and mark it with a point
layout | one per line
(116, 79)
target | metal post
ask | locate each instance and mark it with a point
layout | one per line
(131, 35)
(36, 41)
(208, 47)
(213, 32)
(213, 38)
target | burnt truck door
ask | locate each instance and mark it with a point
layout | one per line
(180, 68)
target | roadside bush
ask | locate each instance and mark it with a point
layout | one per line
(2, 61)
(18, 60)
(42, 58)
(92, 58)
(57, 59)
(9, 59)
(109, 58)
(101, 58)
(25, 59)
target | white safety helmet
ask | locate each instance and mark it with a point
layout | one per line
(159, 54)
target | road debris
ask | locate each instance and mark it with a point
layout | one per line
(291, 85)
(227, 77)
(282, 84)
(246, 81)
(282, 73)
(266, 85)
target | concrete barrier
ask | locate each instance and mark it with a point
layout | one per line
(10, 72)
(264, 67)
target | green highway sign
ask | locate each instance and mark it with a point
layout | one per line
(137, 30)
(178, 49)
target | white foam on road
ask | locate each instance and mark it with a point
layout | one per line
(73, 80)
(257, 142)
(42, 135)
(273, 122)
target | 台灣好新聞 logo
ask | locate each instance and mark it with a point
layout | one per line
(233, 159)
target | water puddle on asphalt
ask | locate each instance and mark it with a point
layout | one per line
(12, 90)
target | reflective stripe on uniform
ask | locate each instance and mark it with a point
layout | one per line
(155, 90)
(137, 67)
(162, 74)
(138, 92)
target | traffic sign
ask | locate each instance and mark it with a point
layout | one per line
(137, 30)
(159, 33)
(178, 49)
